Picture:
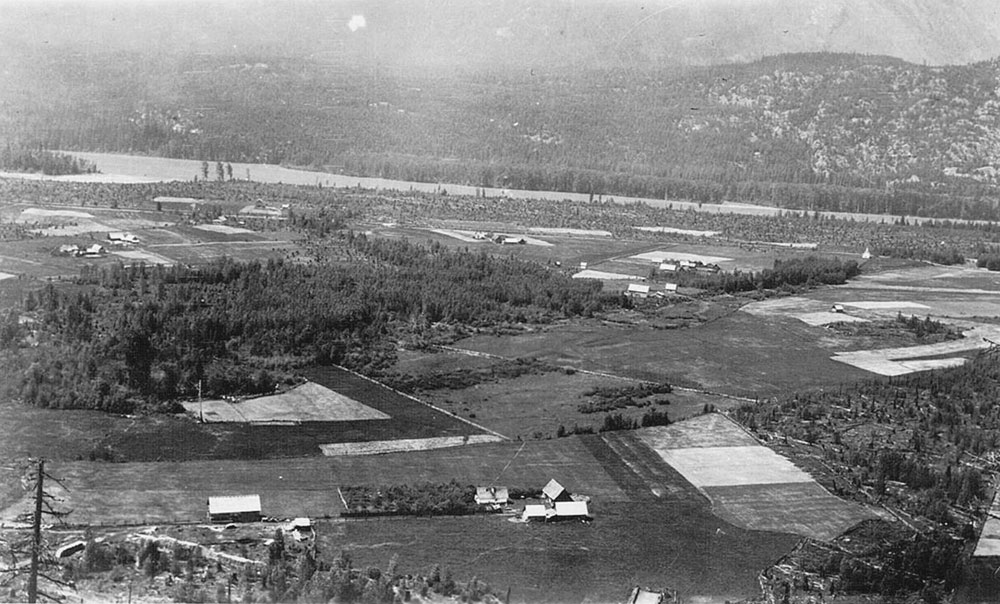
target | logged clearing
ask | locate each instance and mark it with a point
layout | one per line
(887, 305)
(675, 231)
(802, 508)
(309, 402)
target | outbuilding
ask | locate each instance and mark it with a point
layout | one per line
(554, 492)
(495, 496)
(234, 508)
(570, 510)
(536, 512)
(637, 289)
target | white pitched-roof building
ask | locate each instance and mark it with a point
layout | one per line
(234, 508)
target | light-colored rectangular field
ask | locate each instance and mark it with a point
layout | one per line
(379, 447)
(886, 304)
(5, 276)
(592, 274)
(308, 402)
(80, 227)
(989, 538)
(570, 232)
(661, 256)
(675, 231)
(42, 214)
(709, 430)
(456, 235)
(225, 229)
(144, 256)
(729, 466)
(890, 368)
(801, 508)
(825, 318)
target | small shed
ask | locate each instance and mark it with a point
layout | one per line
(572, 510)
(555, 492)
(640, 595)
(496, 496)
(669, 287)
(234, 508)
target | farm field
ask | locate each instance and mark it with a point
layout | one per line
(749, 484)
(536, 405)
(681, 546)
(159, 492)
(169, 438)
(308, 402)
(735, 354)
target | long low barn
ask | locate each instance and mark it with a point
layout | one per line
(234, 508)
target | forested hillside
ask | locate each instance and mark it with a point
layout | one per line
(864, 133)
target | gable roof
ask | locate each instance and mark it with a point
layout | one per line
(233, 504)
(571, 509)
(636, 288)
(553, 489)
(645, 596)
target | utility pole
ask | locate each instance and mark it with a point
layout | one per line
(36, 538)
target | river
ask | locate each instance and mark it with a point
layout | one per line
(121, 168)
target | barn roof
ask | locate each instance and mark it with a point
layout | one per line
(553, 489)
(233, 504)
(571, 509)
(637, 288)
(534, 511)
(645, 596)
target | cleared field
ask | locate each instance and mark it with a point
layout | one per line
(825, 318)
(592, 274)
(381, 447)
(143, 256)
(901, 361)
(709, 430)
(570, 232)
(153, 492)
(309, 402)
(802, 508)
(223, 228)
(735, 353)
(726, 466)
(751, 485)
(675, 231)
(39, 214)
(681, 545)
(663, 255)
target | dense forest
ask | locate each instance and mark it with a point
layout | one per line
(132, 337)
(813, 131)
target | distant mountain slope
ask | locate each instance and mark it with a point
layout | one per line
(514, 33)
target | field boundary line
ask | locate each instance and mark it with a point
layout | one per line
(434, 407)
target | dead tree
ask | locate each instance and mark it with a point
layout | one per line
(35, 546)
